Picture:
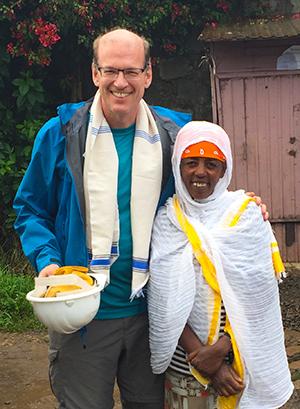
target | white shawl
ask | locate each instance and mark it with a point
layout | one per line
(242, 257)
(100, 188)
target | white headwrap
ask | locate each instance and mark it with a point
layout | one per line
(237, 242)
(189, 135)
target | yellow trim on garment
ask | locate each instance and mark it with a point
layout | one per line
(276, 257)
(233, 218)
(197, 375)
(231, 402)
(209, 273)
(208, 269)
(277, 260)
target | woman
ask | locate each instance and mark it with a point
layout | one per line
(214, 257)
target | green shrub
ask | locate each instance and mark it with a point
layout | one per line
(17, 134)
(16, 313)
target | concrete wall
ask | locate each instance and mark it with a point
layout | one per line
(179, 83)
(249, 56)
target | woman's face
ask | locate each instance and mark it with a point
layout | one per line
(200, 175)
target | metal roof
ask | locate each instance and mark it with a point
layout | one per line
(254, 30)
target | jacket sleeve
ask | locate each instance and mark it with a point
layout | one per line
(36, 201)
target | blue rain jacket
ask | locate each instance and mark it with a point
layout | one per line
(49, 203)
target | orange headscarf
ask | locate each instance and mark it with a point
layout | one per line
(203, 149)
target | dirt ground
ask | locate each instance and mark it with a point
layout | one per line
(24, 367)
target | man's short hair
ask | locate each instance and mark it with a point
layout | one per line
(97, 39)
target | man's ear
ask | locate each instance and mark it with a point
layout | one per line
(148, 79)
(95, 74)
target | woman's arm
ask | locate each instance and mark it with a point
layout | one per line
(207, 359)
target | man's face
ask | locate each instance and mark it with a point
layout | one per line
(120, 96)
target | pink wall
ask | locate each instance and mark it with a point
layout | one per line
(260, 109)
(252, 56)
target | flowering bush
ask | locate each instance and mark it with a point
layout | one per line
(46, 43)
(31, 37)
(26, 36)
(35, 29)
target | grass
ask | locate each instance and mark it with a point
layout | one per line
(16, 280)
(13, 259)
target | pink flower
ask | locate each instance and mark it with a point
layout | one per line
(223, 5)
(170, 47)
(46, 32)
(10, 48)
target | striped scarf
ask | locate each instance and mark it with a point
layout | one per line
(101, 186)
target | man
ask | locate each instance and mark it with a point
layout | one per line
(54, 221)
(95, 179)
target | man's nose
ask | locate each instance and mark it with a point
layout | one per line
(121, 81)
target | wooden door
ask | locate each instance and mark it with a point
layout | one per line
(261, 114)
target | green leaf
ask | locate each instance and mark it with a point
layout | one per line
(24, 89)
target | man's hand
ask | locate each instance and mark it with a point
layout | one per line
(226, 382)
(263, 207)
(48, 270)
(209, 358)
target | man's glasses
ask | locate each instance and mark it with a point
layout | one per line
(129, 73)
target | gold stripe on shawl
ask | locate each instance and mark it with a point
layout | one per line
(277, 261)
(232, 219)
(209, 272)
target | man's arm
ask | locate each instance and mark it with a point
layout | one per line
(36, 200)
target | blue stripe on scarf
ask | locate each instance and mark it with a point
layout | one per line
(140, 265)
(102, 129)
(100, 262)
(152, 139)
(114, 250)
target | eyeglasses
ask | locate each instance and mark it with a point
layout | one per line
(129, 73)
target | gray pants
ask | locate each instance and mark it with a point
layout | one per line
(84, 366)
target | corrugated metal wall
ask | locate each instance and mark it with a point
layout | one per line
(261, 113)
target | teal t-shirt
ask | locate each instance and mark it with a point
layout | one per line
(115, 298)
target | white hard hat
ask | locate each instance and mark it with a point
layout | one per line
(68, 311)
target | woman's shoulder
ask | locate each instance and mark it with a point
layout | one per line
(241, 209)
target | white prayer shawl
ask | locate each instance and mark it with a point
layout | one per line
(100, 188)
(242, 256)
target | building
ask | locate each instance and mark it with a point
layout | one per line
(255, 84)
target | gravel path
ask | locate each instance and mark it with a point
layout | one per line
(23, 357)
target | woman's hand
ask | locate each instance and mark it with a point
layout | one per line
(263, 207)
(208, 359)
(226, 382)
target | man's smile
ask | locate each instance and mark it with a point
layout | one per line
(120, 94)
